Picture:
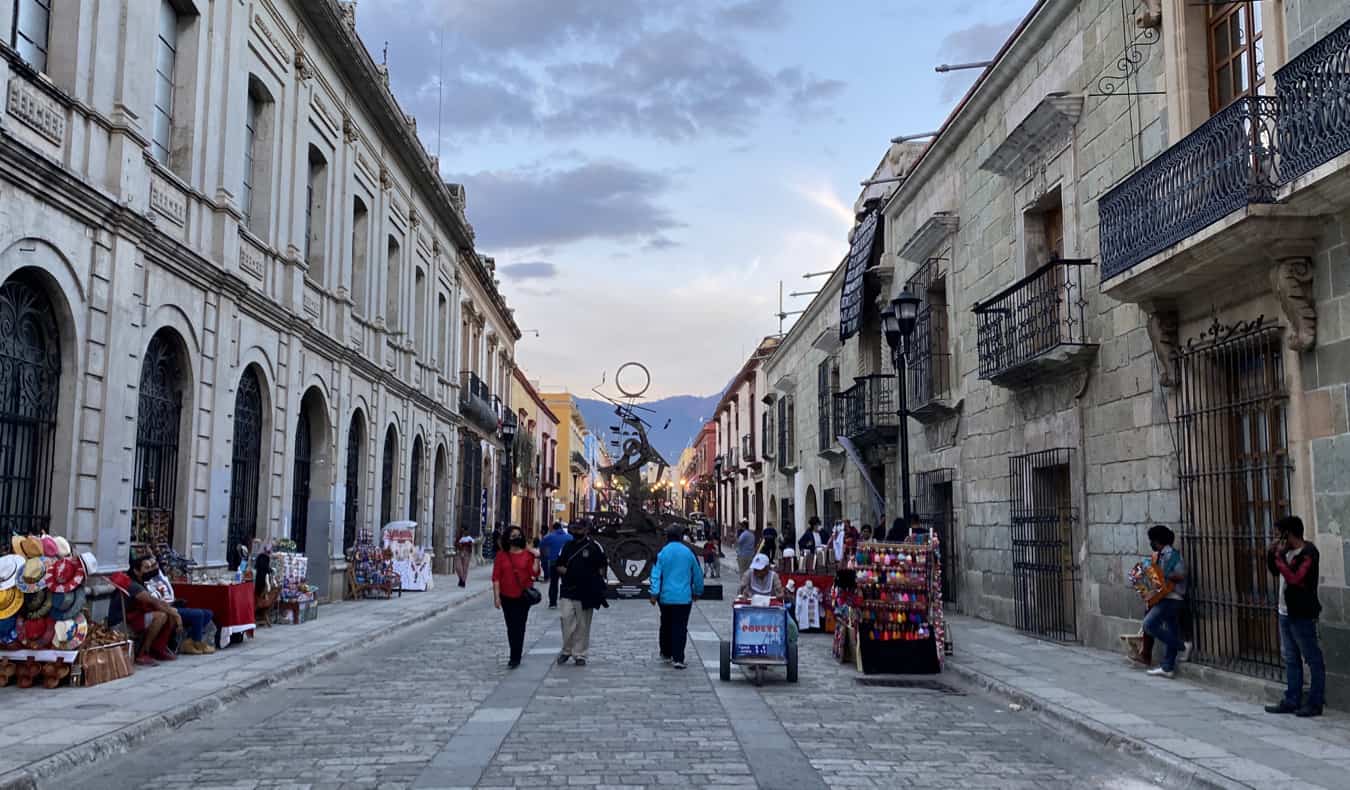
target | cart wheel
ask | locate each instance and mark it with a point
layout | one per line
(758, 675)
(792, 662)
(724, 660)
(221, 644)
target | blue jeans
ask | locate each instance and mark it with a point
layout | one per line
(194, 621)
(1163, 623)
(1298, 643)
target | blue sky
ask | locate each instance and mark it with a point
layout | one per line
(646, 172)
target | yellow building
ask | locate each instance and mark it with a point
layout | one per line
(571, 452)
(534, 458)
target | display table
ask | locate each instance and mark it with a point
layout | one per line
(231, 607)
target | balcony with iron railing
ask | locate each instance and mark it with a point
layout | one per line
(868, 412)
(748, 449)
(476, 402)
(578, 464)
(928, 359)
(1246, 182)
(1035, 326)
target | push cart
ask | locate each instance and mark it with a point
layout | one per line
(761, 637)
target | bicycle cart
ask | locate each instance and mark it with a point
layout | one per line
(761, 637)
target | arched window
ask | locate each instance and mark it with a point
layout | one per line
(415, 481)
(245, 464)
(158, 422)
(360, 249)
(356, 441)
(30, 382)
(392, 297)
(316, 214)
(420, 314)
(443, 333)
(387, 476)
(300, 487)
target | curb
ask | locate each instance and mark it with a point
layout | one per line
(1178, 771)
(125, 738)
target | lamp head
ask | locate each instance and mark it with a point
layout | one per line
(900, 318)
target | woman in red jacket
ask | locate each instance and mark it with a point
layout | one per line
(513, 571)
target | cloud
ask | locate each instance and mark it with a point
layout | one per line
(530, 270)
(824, 197)
(595, 200)
(978, 42)
(660, 243)
(806, 95)
(753, 14)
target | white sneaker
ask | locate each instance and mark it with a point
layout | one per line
(678, 665)
(1185, 654)
(1162, 673)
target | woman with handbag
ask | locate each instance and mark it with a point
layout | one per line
(513, 572)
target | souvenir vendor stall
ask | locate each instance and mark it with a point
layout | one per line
(809, 594)
(230, 603)
(370, 569)
(45, 634)
(889, 604)
(297, 602)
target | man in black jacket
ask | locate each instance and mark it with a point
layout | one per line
(1295, 562)
(581, 567)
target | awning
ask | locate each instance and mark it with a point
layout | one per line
(862, 255)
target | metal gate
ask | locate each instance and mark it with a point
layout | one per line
(246, 456)
(936, 511)
(1044, 584)
(1235, 477)
(300, 491)
(356, 441)
(30, 382)
(415, 481)
(470, 488)
(157, 421)
(387, 478)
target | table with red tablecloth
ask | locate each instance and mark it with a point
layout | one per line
(231, 606)
(822, 582)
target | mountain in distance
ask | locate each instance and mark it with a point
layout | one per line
(686, 413)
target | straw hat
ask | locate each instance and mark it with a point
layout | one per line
(66, 605)
(34, 575)
(38, 604)
(10, 566)
(49, 547)
(62, 546)
(30, 546)
(70, 634)
(11, 600)
(65, 574)
(90, 563)
(36, 633)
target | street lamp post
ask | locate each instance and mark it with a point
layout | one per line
(508, 445)
(897, 321)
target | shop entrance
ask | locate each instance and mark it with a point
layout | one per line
(1234, 479)
(1042, 543)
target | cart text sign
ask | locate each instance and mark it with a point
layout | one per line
(759, 633)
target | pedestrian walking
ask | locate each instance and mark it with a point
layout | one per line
(463, 554)
(581, 567)
(745, 547)
(710, 563)
(676, 581)
(1297, 564)
(1163, 620)
(550, 548)
(513, 590)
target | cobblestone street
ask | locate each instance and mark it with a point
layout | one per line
(436, 707)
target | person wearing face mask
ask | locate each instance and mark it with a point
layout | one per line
(149, 614)
(513, 572)
(581, 565)
(761, 579)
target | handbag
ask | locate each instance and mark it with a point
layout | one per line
(531, 596)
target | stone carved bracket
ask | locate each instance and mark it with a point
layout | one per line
(1150, 15)
(1163, 327)
(1292, 281)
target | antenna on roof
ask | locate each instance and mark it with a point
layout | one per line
(440, 82)
(783, 314)
(385, 56)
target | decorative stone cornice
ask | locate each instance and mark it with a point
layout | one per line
(1292, 281)
(930, 234)
(1163, 326)
(1045, 130)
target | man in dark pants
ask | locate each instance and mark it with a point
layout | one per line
(676, 581)
(550, 548)
(1296, 563)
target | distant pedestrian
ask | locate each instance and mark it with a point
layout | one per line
(581, 566)
(463, 554)
(676, 581)
(1298, 565)
(866, 535)
(769, 543)
(898, 532)
(550, 548)
(745, 547)
(811, 540)
(512, 576)
(710, 563)
(1163, 620)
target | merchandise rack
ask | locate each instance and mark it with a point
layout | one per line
(898, 607)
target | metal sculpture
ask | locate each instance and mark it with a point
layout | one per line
(633, 537)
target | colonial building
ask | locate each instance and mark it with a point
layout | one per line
(739, 466)
(571, 448)
(235, 290)
(1132, 266)
(534, 454)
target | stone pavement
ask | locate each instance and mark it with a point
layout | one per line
(72, 726)
(1218, 738)
(437, 708)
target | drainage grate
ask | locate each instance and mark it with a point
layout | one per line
(904, 683)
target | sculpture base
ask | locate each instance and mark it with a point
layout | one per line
(711, 591)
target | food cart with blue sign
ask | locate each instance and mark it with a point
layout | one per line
(761, 637)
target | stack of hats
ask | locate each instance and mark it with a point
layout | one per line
(46, 581)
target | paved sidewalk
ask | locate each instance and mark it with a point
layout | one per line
(69, 726)
(1217, 738)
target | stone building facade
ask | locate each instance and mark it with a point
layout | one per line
(237, 295)
(739, 467)
(1132, 269)
(534, 456)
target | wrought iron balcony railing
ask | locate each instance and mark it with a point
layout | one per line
(1226, 164)
(578, 463)
(476, 402)
(868, 412)
(748, 448)
(1036, 322)
(1314, 94)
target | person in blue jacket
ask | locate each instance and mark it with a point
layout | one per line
(676, 581)
(550, 548)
